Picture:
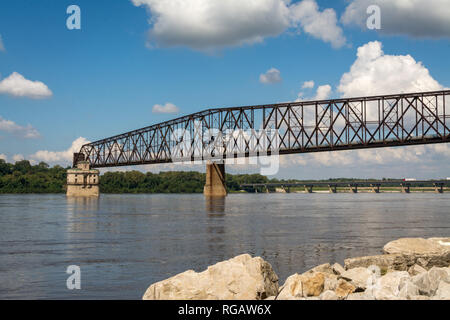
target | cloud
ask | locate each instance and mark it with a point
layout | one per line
(2, 46)
(18, 157)
(4, 157)
(214, 24)
(308, 85)
(167, 108)
(323, 92)
(271, 76)
(321, 25)
(17, 86)
(27, 132)
(65, 156)
(375, 72)
(416, 18)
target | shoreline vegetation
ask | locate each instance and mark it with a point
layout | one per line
(23, 177)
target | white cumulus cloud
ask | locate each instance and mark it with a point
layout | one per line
(18, 157)
(17, 86)
(308, 85)
(375, 72)
(166, 108)
(320, 24)
(417, 18)
(4, 157)
(65, 156)
(210, 24)
(26, 132)
(272, 75)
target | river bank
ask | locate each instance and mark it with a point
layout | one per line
(408, 269)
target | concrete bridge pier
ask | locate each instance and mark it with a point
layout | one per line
(406, 188)
(375, 188)
(353, 188)
(438, 187)
(308, 189)
(215, 180)
(332, 188)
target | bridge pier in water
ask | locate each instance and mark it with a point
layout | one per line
(375, 188)
(215, 180)
(332, 188)
(406, 188)
(82, 181)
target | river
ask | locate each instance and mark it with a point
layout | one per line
(124, 243)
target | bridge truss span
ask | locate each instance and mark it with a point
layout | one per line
(285, 128)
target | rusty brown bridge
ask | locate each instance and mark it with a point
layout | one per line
(277, 129)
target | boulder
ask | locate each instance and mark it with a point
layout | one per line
(331, 282)
(292, 288)
(344, 289)
(358, 277)
(416, 269)
(388, 286)
(337, 269)
(329, 295)
(300, 286)
(240, 278)
(425, 252)
(443, 291)
(422, 281)
(384, 262)
(314, 284)
(323, 268)
(408, 289)
(436, 275)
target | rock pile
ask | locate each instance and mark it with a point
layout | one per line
(409, 269)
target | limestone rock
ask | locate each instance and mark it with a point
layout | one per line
(329, 295)
(240, 278)
(384, 262)
(314, 285)
(338, 269)
(357, 277)
(292, 288)
(388, 286)
(408, 289)
(323, 268)
(304, 285)
(416, 269)
(422, 281)
(425, 252)
(344, 289)
(443, 291)
(436, 275)
(331, 282)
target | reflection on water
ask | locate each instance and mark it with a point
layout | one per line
(215, 206)
(123, 243)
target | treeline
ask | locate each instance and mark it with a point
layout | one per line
(22, 177)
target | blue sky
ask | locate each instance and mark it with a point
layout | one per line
(105, 78)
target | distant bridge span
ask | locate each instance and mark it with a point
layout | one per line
(285, 128)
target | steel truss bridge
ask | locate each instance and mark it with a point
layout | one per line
(284, 128)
